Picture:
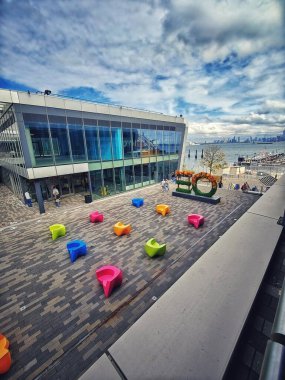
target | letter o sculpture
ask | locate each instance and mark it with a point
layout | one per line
(210, 178)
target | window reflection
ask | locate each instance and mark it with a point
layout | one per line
(105, 140)
(76, 139)
(59, 138)
(92, 142)
(127, 140)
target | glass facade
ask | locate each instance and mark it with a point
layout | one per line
(121, 154)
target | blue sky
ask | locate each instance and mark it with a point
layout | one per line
(219, 63)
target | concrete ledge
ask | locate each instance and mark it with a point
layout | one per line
(192, 330)
(271, 204)
(212, 200)
(103, 369)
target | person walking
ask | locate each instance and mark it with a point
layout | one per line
(28, 199)
(56, 196)
(166, 184)
(163, 185)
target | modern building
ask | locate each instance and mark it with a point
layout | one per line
(83, 147)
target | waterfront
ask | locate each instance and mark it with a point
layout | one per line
(232, 152)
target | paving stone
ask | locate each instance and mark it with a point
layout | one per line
(67, 319)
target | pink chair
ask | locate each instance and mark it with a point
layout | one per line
(110, 277)
(96, 217)
(196, 219)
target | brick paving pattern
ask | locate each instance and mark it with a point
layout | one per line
(54, 312)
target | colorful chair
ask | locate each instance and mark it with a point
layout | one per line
(76, 248)
(137, 202)
(96, 217)
(109, 277)
(153, 248)
(57, 230)
(196, 219)
(5, 356)
(122, 229)
(163, 209)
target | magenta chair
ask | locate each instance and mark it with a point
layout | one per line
(109, 277)
(196, 219)
(96, 217)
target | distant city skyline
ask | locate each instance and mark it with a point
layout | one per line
(241, 139)
(218, 63)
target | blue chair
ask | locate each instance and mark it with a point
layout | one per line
(76, 248)
(137, 202)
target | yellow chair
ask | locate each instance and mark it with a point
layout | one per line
(57, 230)
(122, 229)
(163, 209)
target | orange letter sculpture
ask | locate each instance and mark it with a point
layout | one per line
(5, 356)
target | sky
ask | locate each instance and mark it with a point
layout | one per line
(219, 63)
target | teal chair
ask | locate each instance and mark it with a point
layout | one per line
(153, 248)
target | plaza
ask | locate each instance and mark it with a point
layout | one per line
(55, 312)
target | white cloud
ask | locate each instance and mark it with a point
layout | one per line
(219, 63)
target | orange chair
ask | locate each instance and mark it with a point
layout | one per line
(122, 229)
(163, 209)
(5, 356)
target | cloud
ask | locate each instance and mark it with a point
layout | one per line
(219, 63)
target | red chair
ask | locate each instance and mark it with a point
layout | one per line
(196, 219)
(96, 217)
(109, 276)
(5, 356)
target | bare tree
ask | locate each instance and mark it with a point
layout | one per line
(214, 158)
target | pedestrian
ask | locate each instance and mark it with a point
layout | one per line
(220, 183)
(28, 199)
(56, 196)
(166, 185)
(57, 201)
(163, 185)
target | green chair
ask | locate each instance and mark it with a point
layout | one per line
(153, 248)
(57, 230)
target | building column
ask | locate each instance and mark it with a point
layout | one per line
(90, 185)
(39, 197)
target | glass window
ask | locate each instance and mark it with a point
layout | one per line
(119, 179)
(172, 147)
(76, 139)
(145, 174)
(138, 175)
(59, 139)
(153, 172)
(129, 177)
(160, 171)
(38, 139)
(92, 142)
(109, 187)
(96, 183)
(136, 140)
(148, 140)
(117, 142)
(173, 165)
(127, 140)
(105, 140)
(166, 140)
(178, 141)
(159, 141)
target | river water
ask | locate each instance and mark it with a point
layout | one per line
(232, 152)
